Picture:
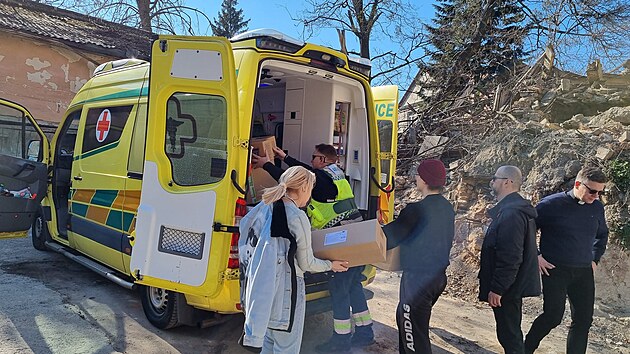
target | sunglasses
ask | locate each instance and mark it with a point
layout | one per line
(322, 157)
(593, 191)
(494, 178)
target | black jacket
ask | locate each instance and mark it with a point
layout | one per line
(509, 257)
(424, 231)
(324, 189)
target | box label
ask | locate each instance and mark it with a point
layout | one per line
(334, 238)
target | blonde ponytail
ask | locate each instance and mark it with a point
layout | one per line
(293, 178)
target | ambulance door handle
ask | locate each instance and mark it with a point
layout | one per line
(378, 184)
(234, 177)
(78, 178)
(26, 166)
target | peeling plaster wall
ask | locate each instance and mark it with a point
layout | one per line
(41, 76)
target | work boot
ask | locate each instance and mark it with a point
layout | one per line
(338, 343)
(363, 336)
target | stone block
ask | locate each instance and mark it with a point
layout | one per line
(570, 124)
(605, 137)
(565, 84)
(603, 153)
(625, 137)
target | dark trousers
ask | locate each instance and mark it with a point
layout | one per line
(576, 283)
(418, 294)
(508, 318)
(346, 291)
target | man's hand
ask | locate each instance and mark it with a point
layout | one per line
(494, 300)
(259, 161)
(543, 265)
(279, 153)
(339, 266)
(594, 266)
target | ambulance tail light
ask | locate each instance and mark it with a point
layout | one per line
(324, 60)
(239, 211)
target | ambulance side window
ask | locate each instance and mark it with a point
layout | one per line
(66, 141)
(103, 126)
(196, 138)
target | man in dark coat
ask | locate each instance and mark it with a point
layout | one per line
(509, 264)
(424, 231)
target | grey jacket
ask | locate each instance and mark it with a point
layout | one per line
(272, 239)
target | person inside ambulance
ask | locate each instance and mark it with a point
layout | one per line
(332, 204)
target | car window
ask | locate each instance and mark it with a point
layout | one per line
(17, 134)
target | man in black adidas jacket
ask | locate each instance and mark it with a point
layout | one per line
(509, 265)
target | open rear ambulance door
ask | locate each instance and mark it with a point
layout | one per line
(186, 180)
(386, 107)
(23, 169)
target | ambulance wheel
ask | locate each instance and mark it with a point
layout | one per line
(39, 233)
(160, 306)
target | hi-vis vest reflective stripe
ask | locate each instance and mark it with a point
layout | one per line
(323, 215)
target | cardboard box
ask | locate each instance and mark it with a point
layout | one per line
(263, 146)
(258, 180)
(358, 243)
(392, 260)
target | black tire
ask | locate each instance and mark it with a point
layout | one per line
(39, 233)
(160, 306)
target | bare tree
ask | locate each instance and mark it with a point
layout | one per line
(580, 29)
(156, 16)
(394, 21)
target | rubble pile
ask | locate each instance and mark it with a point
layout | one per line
(554, 131)
(571, 95)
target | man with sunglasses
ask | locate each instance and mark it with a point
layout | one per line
(573, 238)
(509, 258)
(333, 204)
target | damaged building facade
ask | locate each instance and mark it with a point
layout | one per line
(47, 54)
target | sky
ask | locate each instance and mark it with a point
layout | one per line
(276, 14)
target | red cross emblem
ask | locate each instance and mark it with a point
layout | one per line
(102, 125)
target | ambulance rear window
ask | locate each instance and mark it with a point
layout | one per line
(196, 138)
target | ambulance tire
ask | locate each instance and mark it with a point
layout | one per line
(39, 233)
(160, 306)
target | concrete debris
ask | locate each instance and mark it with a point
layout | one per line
(603, 153)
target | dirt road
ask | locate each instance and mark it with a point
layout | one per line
(52, 305)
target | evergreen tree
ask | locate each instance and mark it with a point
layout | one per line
(229, 21)
(473, 42)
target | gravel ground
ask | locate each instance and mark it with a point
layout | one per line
(52, 305)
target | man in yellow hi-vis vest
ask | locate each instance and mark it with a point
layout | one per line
(332, 204)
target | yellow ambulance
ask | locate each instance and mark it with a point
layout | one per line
(145, 179)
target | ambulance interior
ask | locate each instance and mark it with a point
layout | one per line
(303, 106)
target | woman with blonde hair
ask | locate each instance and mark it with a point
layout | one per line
(274, 252)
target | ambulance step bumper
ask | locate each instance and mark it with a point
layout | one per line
(92, 265)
